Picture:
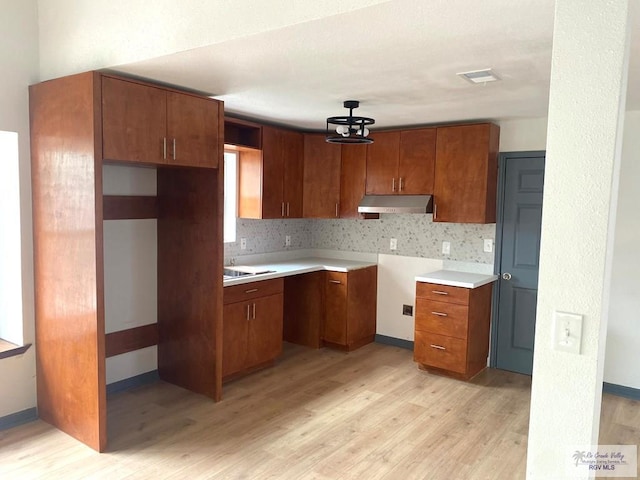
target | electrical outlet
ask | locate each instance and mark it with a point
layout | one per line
(287, 240)
(446, 248)
(407, 310)
(393, 244)
(488, 245)
(243, 243)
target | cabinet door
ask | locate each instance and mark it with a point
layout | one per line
(192, 130)
(335, 321)
(382, 163)
(272, 173)
(353, 177)
(466, 174)
(361, 304)
(265, 330)
(321, 177)
(293, 160)
(234, 337)
(416, 166)
(133, 122)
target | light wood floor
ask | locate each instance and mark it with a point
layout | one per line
(319, 414)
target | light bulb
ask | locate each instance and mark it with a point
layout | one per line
(342, 130)
(366, 132)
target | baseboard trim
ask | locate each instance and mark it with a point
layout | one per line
(396, 342)
(18, 418)
(621, 391)
(133, 382)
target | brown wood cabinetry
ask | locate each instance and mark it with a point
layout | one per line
(401, 162)
(72, 131)
(304, 309)
(252, 332)
(321, 177)
(270, 181)
(466, 173)
(350, 308)
(452, 329)
(353, 178)
(149, 124)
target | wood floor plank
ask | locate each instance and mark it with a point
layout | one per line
(316, 415)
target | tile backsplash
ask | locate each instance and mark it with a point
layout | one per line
(417, 236)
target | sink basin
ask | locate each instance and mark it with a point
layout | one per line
(234, 272)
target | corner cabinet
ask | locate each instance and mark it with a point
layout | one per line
(350, 308)
(252, 332)
(401, 162)
(466, 173)
(149, 124)
(270, 180)
(452, 329)
(78, 123)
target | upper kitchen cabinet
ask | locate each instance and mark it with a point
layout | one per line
(466, 173)
(148, 124)
(270, 181)
(401, 162)
(353, 178)
(321, 192)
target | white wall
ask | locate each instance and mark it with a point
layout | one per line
(115, 32)
(622, 360)
(130, 271)
(19, 63)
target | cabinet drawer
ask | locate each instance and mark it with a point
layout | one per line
(247, 291)
(450, 319)
(438, 351)
(442, 293)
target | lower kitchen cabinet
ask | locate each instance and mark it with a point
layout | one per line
(452, 329)
(350, 308)
(252, 326)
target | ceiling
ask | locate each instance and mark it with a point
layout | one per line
(398, 58)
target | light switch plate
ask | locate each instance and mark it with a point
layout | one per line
(393, 244)
(488, 245)
(243, 243)
(287, 240)
(446, 248)
(567, 332)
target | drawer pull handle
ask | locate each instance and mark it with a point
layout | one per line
(335, 281)
(248, 317)
(439, 292)
(251, 290)
(440, 314)
(437, 347)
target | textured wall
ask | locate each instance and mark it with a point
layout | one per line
(417, 235)
(583, 151)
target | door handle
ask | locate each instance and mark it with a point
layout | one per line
(506, 276)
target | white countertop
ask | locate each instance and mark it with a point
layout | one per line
(456, 279)
(296, 267)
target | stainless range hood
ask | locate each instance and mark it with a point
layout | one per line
(396, 204)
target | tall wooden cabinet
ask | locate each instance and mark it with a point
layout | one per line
(353, 178)
(466, 176)
(71, 136)
(401, 162)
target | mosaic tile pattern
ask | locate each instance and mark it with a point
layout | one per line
(418, 236)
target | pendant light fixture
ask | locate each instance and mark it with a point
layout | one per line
(349, 129)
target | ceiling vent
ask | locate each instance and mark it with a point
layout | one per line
(479, 76)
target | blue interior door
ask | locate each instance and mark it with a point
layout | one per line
(523, 181)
